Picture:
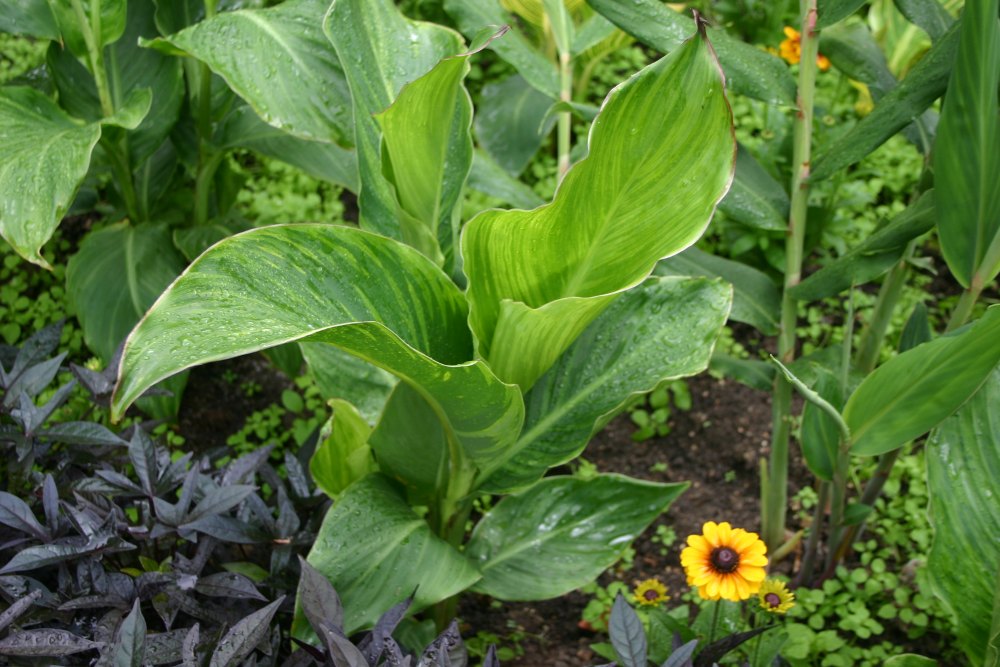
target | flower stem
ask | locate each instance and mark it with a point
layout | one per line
(775, 496)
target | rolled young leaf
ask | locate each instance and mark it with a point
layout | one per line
(342, 454)
(912, 393)
(664, 329)
(373, 297)
(963, 475)
(376, 551)
(561, 533)
(661, 156)
(967, 151)
(381, 51)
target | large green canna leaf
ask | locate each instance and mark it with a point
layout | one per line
(382, 51)
(829, 12)
(664, 329)
(967, 151)
(475, 16)
(145, 261)
(376, 552)
(923, 84)
(872, 257)
(104, 18)
(561, 533)
(661, 156)
(28, 17)
(756, 199)
(130, 67)
(366, 294)
(280, 62)
(322, 160)
(749, 70)
(426, 157)
(509, 121)
(756, 300)
(913, 392)
(44, 155)
(963, 472)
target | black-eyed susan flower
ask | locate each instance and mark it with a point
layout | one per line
(650, 592)
(724, 562)
(775, 597)
(790, 50)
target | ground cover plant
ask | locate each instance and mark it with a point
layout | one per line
(468, 354)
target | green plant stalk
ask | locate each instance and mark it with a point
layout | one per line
(203, 186)
(91, 28)
(775, 493)
(812, 545)
(565, 118)
(873, 489)
(987, 270)
(885, 304)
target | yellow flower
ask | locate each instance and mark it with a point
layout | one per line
(650, 592)
(790, 50)
(774, 597)
(724, 562)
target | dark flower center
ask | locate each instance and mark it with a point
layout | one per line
(651, 595)
(725, 560)
(773, 600)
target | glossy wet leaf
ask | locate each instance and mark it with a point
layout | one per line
(924, 83)
(411, 446)
(627, 634)
(913, 392)
(323, 160)
(44, 155)
(382, 51)
(875, 255)
(130, 67)
(749, 70)
(665, 328)
(243, 637)
(967, 150)
(318, 599)
(475, 16)
(755, 296)
(756, 199)
(228, 585)
(28, 17)
(963, 472)
(561, 533)
(342, 455)
(146, 262)
(376, 552)
(341, 375)
(15, 513)
(371, 296)
(280, 62)
(18, 608)
(509, 121)
(105, 20)
(930, 15)
(538, 278)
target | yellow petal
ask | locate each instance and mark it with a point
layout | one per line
(711, 532)
(792, 33)
(712, 586)
(728, 589)
(755, 560)
(742, 589)
(725, 534)
(751, 573)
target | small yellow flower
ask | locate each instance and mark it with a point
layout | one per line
(650, 592)
(790, 50)
(774, 597)
(724, 562)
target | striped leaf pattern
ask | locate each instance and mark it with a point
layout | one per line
(661, 157)
(370, 296)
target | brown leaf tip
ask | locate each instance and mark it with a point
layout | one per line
(701, 22)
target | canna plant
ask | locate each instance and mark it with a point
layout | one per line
(557, 326)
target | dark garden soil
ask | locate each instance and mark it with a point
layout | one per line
(716, 446)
